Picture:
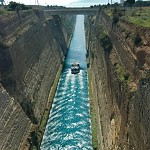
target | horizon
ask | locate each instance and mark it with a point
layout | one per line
(66, 3)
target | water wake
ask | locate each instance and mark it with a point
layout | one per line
(68, 127)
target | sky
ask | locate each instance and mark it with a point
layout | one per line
(63, 2)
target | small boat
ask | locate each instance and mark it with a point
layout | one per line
(75, 68)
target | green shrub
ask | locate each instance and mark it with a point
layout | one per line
(92, 54)
(123, 75)
(115, 10)
(13, 5)
(137, 39)
(127, 34)
(106, 43)
(104, 39)
(115, 19)
(130, 2)
(120, 13)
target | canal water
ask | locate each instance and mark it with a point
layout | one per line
(68, 127)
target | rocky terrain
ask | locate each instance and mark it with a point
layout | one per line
(32, 49)
(120, 80)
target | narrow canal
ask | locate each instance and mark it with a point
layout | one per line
(68, 127)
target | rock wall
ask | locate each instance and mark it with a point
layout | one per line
(14, 124)
(120, 94)
(31, 52)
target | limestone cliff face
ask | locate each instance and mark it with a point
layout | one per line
(120, 90)
(31, 52)
(14, 125)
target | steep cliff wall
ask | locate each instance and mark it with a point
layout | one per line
(120, 91)
(31, 52)
(14, 123)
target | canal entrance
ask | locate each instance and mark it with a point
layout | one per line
(68, 127)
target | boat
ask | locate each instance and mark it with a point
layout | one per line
(75, 68)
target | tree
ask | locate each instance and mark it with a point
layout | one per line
(115, 20)
(106, 42)
(137, 39)
(17, 9)
(130, 2)
(2, 2)
(12, 6)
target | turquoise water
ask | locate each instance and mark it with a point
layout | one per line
(68, 127)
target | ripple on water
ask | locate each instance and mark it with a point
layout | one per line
(68, 126)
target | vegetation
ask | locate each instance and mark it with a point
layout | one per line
(5, 12)
(125, 77)
(28, 107)
(2, 1)
(115, 12)
(137, 39)
(93, 115)
(127, 34)
(92, 54)
(122, 74)
(140, 3)
(55, 7)
(12, 6)
(106, 43)
(104, 38)
(95, 6)
(138, 16)
(115, 19)
(129, 2)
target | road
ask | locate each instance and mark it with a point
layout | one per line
(76, 11)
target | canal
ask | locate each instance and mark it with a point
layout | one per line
(68, 126)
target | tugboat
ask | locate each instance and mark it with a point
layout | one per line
(75, 68)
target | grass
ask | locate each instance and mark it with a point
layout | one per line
(93, 115)
(139, 16)
(4, 12)
(139, 21)
(108, 12)
(42, 126)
